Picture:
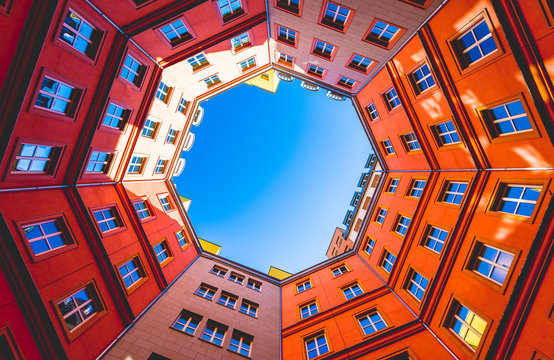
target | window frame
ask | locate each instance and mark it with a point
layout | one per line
(340, 270)
(175, 136)
(165, 166)
(406, 143)
(86, 324)
(237, 276)
(300, 6)
(408, 279)
(126, 118)
(397, 36)
(389, 103)
(444, 191)
(384, 148)
(349, 286)
(312, 336)
(308, 72)
(397, 224)
(370, 67)
(413, 81)
(249, 67)
(213, 83)
(165, 244)
(109, 166)
(142, 165)
(219, 271)
(441, 146)
(321, 54)
(195, 69)
(5, 332)
(367, 245)
(117, 216)
(253, 287)
(425, 4)
(391, 185)
(228, 19)
(242, 336)
(53, 167)
(426, 234)
(250, 304)
(191, 315)
(142, 71)
(384, 259)
(412, 185)
(378, 214)
(369, 113)
(167, 98)
(208, 287)
(303, 283)
(216, 325)
(148, 206)
(181, 40)
(155, 130)
(185, 239)
(170, 202)
(140, 268)
(284, 63)
(344, 85)
(307, 304)
(373, 309)
(288, 43)
(326, 24)
(241, 47)
(496, 197)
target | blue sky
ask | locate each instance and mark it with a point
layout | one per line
(271, 176)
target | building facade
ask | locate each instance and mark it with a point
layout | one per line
(451, 257)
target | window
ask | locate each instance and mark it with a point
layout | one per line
(98, 162)
(507, 119)
(348, 218)
(388, 261)
(292, 6)
(445, 133)
(214, 333)
(474, 45)
(360, 63)
(199, 61)
(182, 107)
(187, 322)
(402, 225)
(116, 117)
(422, 79)
(8, 348)
(249, 308)
(166, 204)
(323, 49)
(162, 252)
(212, 80)
(372, 112)
(80, 34)
(137, 164)
(247, 64)
(410, 142)
(163, 93)
(391, 99)
(416, 284)
(435, 239)
(230, 9)
(181, 239)
(57, 97)
(491, 262)
(393, 184)
(363, 180)
(46, 236)
(339, 270)
(160, 166)
(142, 209)
(150, 128)
(131, 272)
(383, 34)
(254, 285)
(132, 70)
(453, 192)
(380, 217)
(286, 36)
(206, 291)
(241, 343)
(236, 278)
(308, 310)
(371, 322)
(369, 246)
(80, 307)
(176, 32)
(36, 159)
(172, 136)
(286, 59)
(316, 71)
(228, 300)
(240, 42)
(347, 82)
(107, 219)
(303, 286)
(352, 291)
(336, 16)
(467, 325)
(356, 199)
(416, 188)
(216, 270)
(387, 147)
(517, 199)
(316, 345)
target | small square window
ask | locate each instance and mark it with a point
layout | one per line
(387, 147)
(212, 80)
(249, 308)
(372, 111)
(416, 284)
(98, 162)
(150, 129)
(360, 63)
(517, 199)
(347, 82)
(416, 188)
(166, 203)
(107, 219)
(453, 192)
(369, 246)
(131, 273)
(214, 333)
(491, 263)
(161, 166)
(348, 218)
(164, 92)
(336, 16)
(383, 34)
(181, 238)
(176, 32)
(287, 36)
(445, 133)
(303, 286)
(163, 252)
(387, 261)
(230, 9)
(79, 308)
(393, 184)
(241, 41)
(466, 325)
(352, 291)
(183, 105)
(206, 291)
(435, 238)
(292, 6)
(132, 70)
(143, 209)
(247, 64)
(254, 285)
(172, 135)
(241, 343)
(402, 225)
(323, 49)
(316, 345)
(391, 99)
(371, 322)
(116, 117)
(507, 119)
(137, 164)
(216, 270)
(228, 300)
(308, 309)
(36, 159)
(356, 199)
(286, 60)
(80, 34)
(316, 71)
(57, 97)
(198, 62)
(380, 217)
(410, 142)
(47, 236)
(474, 44)
(339, 270)
(187, 322)
(422, 79)
(236, 278)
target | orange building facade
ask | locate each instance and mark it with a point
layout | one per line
(451, 257)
